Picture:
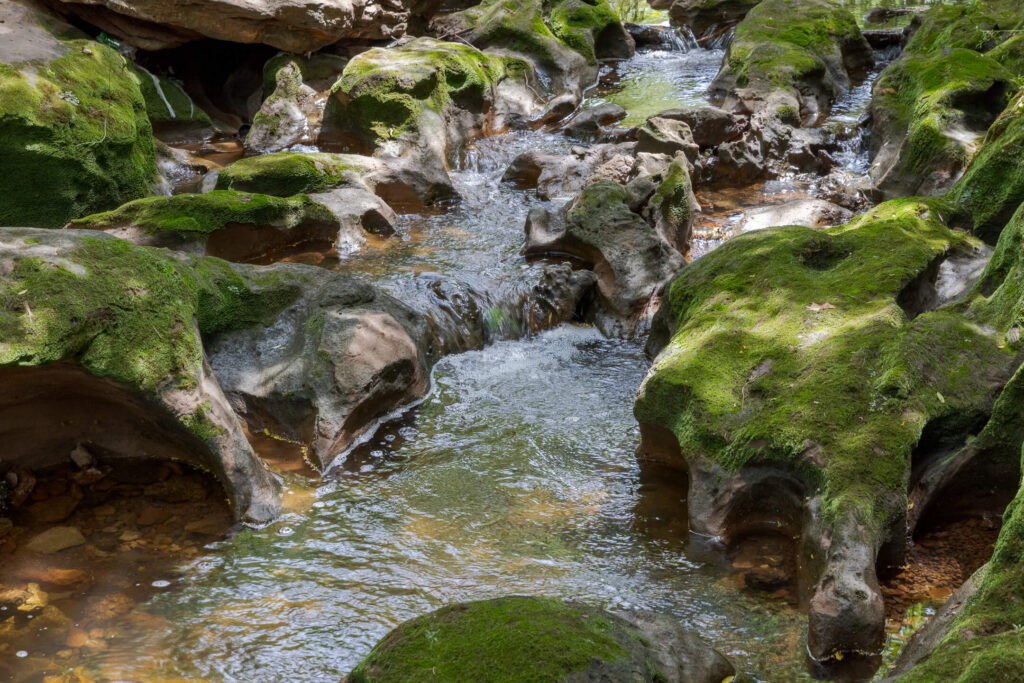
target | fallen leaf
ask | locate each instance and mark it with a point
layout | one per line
(941, 398)
(820, 307)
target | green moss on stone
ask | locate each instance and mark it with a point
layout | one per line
(74, 137)
(507, 639)
(578, 24)
(192, 215)
(289, 173)
(167, 103)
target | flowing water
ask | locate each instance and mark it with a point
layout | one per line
(516, 475)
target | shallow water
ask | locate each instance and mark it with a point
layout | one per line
(517, 475)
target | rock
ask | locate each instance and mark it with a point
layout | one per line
(792, 58)
(708, 18)
(360, 208)
(673, 206)
(880, 15)
(666, 136)
(76, 638)
(564, 175)
(150, 515)
(55, 539)
(176, 118)
(515, 633)
(6, 526)
(62, 159)
(559, 295)
(133, 319)
(401, 183)
(985, 198)
(293, 112)
(53, 510)
(830, 463)
(236, 226)
(206, 527)
(82, 457)
(54, 576)
(884, 38)
(926, 125)
(291, 25)
(600, 233)
(588, 123)
(812, 213)
(176, 490)
(424, 99)
(709, 126)
(652, 36)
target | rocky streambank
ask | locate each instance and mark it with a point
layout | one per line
(823, 386)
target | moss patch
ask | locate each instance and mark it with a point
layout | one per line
(167, 103)
(74, 136)
(192, 215)
(507, 639)
(289, 173)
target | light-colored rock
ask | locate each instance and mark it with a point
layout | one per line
(55, 539)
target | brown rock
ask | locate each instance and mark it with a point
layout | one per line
(54, 576)
(152, 515)
(56, 539)
(53, 510)
(76, 638)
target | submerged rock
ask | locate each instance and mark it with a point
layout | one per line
(111, 335)
(527, 638)
(931, 107)
(799, 371)
(74, 135)
(292, 25)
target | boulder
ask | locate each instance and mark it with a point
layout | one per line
(103, 345)
(540, 639)
(799, 375)
(564, 175)
(291, 25)
(297, 90)
(792, 58)
(709, 126)
(931, 107)
(707, 18)
(600, 232)
(589, 122)
(74, 135)
(176, 119)
(672, 207)
(236, 226)
(812, 213)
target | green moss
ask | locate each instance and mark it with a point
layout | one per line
(671, 200)
(174, 108)
(126, 312)
(319, 69)
(289, 173)
(192, 215)
(74, 137)
(507, 639)
(384, 93)
(782, 43)
(760, 369)
(578, 24)
(992, 187)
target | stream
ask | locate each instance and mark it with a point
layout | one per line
(516, 475)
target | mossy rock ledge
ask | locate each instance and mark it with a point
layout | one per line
(930, 108)
(74, 135)
(792, 58)
(102, 344)
(535, 640)
(804, 374)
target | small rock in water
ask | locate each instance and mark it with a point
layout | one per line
(76, 638)
(53, 510)
(208, 527)
(161, 583)
(56, 539)
(54, 576)
(82, 457)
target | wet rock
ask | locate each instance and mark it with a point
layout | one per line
(133, 320)
(798, 465)
(706, 18)
(880, 15)
(604, 646)
(176, 490)
(556, 175)
(559, 295)
(360, 208)
(236, 226)
(599, 232)
(588, 123)
(652, 36)
(765, 68)
(709, 126)
(176, 118)
(672, 207)
(293, 111)
(53, 510)
(61, 161)
(926, 125)
(55, 539)
(813, 213)
(206, 527)
(54, 576)
(666, 136)
(292, 25)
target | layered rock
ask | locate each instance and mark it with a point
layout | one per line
(74, 135)
(932, 106)
(110, 335)
(793, 57)
(800, 374)
(706, 19)
(540, 639)
(291, 25)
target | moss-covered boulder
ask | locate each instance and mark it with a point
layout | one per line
(602, 230)
(562, 39)
(992, 187)
(74, 136)
(801, 374)
(793, 57)
(102, 343)
(673, 207)
(401, 183)
(296, 88)
(538, 639)
(425, 98)
(236, 226)
(931, 107)
(173, 114)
